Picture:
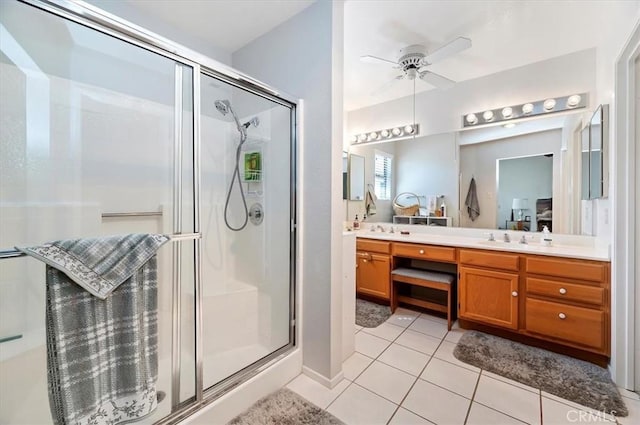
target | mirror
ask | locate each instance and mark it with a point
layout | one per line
(584, 163)
(345, 173)
(598, 149)
(356, 177)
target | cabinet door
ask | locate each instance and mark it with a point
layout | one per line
(372, 274)
(489, 297)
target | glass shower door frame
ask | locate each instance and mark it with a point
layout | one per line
(94, 18)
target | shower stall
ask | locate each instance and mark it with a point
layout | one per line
(107, 129)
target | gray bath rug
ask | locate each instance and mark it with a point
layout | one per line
(572, 379)
(371, 315)
(284, 407)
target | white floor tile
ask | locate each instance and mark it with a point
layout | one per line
(386, 381)
(370, 345)
(403, 358)
(454, 335)
(455, 378)
(436, 404)
(578, 406)
(402, 317)
(315, 392)
(354, 365)
(445, 352)
(385, 331)
(556, 413)
(418, 341)
(510, 381)
(509, 399)
(404, 417)
(357, 405)
(429, 327)
(482, 415)
(634, 412)
(433, 318)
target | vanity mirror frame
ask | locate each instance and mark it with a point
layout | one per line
(599, 130)
(356, 177)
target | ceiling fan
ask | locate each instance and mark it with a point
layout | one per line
(414, 61)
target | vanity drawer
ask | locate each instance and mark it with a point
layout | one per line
(371, 245)
(566, 291)
(424, 252)
(578, 325)
(494, 260)
(573, 269)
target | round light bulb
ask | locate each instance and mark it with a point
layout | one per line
(354, 139)
(396, 131)
(385, 133)
(574, 100)
(472, 119)
(373, 135)
(527, 108)
(408, 129)
(507, 112)
(488, 115)
(549, 104)
(362, 138)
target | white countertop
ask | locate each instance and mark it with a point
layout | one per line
(582, 251)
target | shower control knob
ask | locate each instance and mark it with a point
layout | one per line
(256, 213)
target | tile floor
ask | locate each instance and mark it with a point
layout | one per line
(404, 372)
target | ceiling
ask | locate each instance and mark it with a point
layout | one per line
(505, 35)
(229, 24)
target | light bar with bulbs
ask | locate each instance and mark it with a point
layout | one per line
(525, 110)
(386, 135)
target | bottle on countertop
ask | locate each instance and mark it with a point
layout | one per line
(356, 223)
(443, 210)
(546, 236)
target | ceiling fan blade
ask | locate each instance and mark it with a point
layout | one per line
(375, 59)
(436, 80)
(386, 85)
(449, 49)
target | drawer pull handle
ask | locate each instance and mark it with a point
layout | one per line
(563, 291)
(514, 293)
(364, 260)
(562, 316)
(421, 251)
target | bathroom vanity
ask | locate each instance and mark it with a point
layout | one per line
(556, 297)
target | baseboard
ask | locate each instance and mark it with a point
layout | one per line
(329, 383)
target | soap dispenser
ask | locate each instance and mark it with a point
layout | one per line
(546, 236)
(356, 223)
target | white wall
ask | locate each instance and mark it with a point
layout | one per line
(441, 111)
(308, 49)
(130, 13)
(479, 160)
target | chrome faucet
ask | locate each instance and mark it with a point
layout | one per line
(506, 237)
(491, 237)
(524, 240)
(379, 227)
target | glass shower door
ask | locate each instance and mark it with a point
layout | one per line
(246, 228)
(88, 131)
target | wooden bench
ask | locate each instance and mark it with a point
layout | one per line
(426, 279)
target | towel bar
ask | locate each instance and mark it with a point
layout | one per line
(176, 237)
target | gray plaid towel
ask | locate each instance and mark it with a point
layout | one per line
(101, 314)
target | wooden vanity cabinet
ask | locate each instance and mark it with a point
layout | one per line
(373, 268)
(488, 288)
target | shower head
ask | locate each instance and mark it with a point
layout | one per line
(255, 121)
(223, 106)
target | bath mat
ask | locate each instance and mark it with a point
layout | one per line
(284, 407)
(371, 315)
(572, 379)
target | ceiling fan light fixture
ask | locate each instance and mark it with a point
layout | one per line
(549, 104)
(507, 112)
(527, 108)
(488, 115)
(573, 100)
(472, 119)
